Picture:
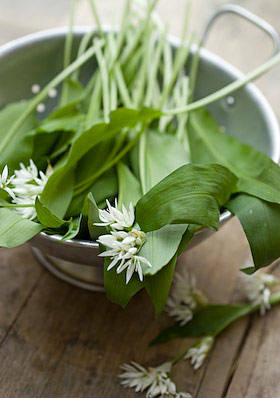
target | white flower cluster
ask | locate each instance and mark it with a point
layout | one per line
(198, 352)
(123, 241)
(25, 186)
(185, 298)
(155, 380)
(258, 288)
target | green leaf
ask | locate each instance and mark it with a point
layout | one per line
(258, 174)
(46, 217)
(158, 285)
(15, 230)
(120, 119)
(106, 187)
(191, 194)
(20, 147)
(129, 186)
(209, 320)
(117, 290)
(161, 246)
(91, 216)
(58, 192)
(187, 238)
(73, 229)
(164, 153)
(260, 221)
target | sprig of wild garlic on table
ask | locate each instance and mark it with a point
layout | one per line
(156, 381)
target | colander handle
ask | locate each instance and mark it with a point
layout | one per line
(249, 16)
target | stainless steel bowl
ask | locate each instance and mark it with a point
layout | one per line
(37, 58)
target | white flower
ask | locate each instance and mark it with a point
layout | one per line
(115, 218)
(5, 181)
(198, 352)
(185, 298)
(258, 288)
(123, 248)
(155, 380)
(28, 184)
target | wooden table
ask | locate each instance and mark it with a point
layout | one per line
(59, 341)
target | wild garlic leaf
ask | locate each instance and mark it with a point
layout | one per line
(46, 217)
(129, 186)
(15, 230)
(120, 119)
(161, 246)
(164, 153)
(258, 174)
(73, 229)
(106, 187)
(158, 285)
(58, 192)
(260, 221)
(91, 216)
(117, 290)
(209, 320)
(20, 147)
(191, 194)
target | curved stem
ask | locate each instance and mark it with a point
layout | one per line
(67, 52)
(229, 88)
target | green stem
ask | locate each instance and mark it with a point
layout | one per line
(142, 162)
(32, 104)
(179, 357)
(229, 88)
(67, 52)
(15, 205)
(96, 17)
(105, 84)
(82, 48)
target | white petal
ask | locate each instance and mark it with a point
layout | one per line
(129, 272)
(5, 173)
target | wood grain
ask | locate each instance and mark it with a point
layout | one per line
(68, 342)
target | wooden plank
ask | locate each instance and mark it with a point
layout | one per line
(257, 373)
(19, 274)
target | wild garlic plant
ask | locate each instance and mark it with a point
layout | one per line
(130, 130)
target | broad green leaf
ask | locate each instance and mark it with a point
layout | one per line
(20, 146)
(129, 186)
(106, 187)
(46, 217)
(187, 238)
(260, 221)
(210, 320)
(66, 123)
(116, 289)
(164, 153)
(191, 194)
(15, 230)
(161, 246)
(158, 285)
(91, 216)
(58, 192)
(258, 174)
(120, 119)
